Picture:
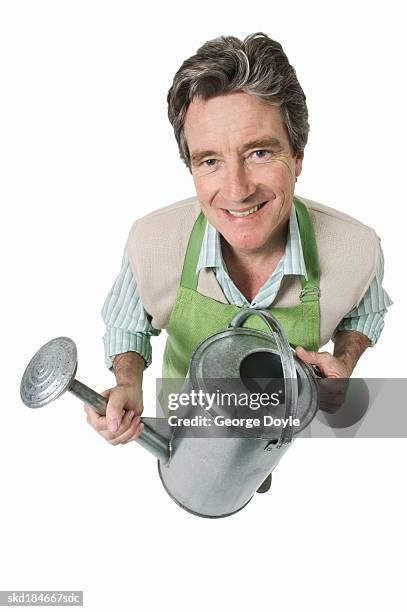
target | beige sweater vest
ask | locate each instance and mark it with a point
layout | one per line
(348, 253)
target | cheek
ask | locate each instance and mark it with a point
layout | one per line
(282, 172)
(206, 188)
(278, 175)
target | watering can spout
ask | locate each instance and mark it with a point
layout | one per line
(156, 444)
(52, 371)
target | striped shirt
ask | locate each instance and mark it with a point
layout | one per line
(128, 326)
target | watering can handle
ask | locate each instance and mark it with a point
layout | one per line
(287, 362)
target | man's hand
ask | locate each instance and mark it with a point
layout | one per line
(349, 346)
(122, 421)
(125, 402)
(332, 393)
(325, 364)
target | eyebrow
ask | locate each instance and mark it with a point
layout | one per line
(261, 143)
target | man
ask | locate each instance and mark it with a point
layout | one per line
(241, 122)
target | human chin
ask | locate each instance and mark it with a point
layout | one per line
(244, 240)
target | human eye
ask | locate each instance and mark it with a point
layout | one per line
(208, 163)
(261, 155)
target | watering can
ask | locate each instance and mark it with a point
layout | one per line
(211, 476)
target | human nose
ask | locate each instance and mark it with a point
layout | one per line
(237, 185)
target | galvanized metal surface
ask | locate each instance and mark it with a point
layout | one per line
(49, 373)
(215, 477)
(287, 362)
(208, 476)
(245, 351)
(52, 371)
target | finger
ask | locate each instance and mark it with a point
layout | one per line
(332, 394)
(331, 404)
(91, 412)
(97, 421)
(137, 434)
(316, 359)
(333, 398)
(330, 408)
(100, 425)
(125, 436)
(129, 420)
(333, 386)
(114, 412)
(308, 356)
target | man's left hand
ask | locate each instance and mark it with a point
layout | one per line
(326, 365)
(332, 392)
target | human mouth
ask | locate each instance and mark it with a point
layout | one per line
(245, 213)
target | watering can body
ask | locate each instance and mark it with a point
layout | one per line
(215, 474)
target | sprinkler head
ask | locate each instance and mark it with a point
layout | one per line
(50, 372)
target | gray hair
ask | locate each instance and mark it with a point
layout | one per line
(257, 65)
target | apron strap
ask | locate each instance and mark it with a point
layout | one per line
(189, 278)
(310, 288)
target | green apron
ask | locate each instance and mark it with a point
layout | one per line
(195, 316)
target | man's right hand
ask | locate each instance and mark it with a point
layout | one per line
(122, 421)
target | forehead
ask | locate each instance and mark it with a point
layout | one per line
(233, 118)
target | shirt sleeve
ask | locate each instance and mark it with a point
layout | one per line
(128, 325)
(368, 316)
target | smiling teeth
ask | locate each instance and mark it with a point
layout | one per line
(234, 213)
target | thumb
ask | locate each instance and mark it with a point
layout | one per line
(311, 357)
(114, 412)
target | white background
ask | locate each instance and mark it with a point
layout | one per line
(85, 149)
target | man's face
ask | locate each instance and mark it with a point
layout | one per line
(241, 160)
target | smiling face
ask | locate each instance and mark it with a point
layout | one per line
(243, 169)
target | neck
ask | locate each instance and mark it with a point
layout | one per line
(250, 270)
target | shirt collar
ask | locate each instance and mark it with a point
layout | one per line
(293, 258)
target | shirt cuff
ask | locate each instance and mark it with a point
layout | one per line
(117, 341)
(370, 325)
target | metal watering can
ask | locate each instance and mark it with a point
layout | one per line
(210, 476)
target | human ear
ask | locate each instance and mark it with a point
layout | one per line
(298, 163)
